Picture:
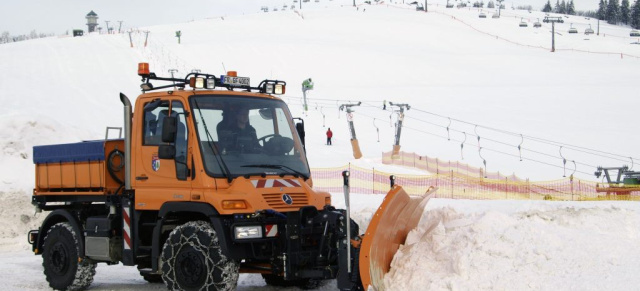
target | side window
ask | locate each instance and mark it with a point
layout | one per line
(177, 110)
(152, 124)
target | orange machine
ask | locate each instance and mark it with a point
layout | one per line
(206, 184)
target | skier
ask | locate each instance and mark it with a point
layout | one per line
(384, 105)
(329, 136)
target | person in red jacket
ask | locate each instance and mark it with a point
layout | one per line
(329, 136)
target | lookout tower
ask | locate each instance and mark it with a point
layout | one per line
(92, 21)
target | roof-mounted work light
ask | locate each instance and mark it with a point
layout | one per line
(271, 88)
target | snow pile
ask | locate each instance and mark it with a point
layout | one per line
(548, 246)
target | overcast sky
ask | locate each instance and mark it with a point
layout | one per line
(58, 16)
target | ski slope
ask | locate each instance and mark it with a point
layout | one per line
(447, 63)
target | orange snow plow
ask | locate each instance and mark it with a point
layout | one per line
(388, 229)
(374, 250)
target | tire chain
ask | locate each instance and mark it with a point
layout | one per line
(85, 271)
(229, 269)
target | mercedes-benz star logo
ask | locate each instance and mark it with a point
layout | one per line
(287, 199)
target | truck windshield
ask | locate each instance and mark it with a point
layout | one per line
(251, 136)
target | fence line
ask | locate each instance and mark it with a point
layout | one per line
(460, 181)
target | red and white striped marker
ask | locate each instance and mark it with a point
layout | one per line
(126, 228)
(271, 183)
(271, 230)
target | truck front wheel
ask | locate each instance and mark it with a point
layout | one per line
(60, 259)
(192, 260)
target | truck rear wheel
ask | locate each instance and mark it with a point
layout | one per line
(192, 260)
(60, 259)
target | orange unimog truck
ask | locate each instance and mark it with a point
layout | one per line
(206, 184)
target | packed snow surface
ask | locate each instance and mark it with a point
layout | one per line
(447, 63)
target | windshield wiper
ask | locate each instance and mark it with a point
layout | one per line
(296, 173)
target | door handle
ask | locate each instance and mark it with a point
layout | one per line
(142, 178)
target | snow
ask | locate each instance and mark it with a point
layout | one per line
(447, 62)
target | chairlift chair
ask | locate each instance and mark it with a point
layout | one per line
(588, 30)
(573, 29)
(634, 33)
(537, 23)
(523, 23)
(482, 15)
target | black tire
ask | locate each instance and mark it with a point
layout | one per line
(192, 260)
(152, 278)
(279, 281)
(60, 259)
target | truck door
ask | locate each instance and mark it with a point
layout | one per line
(161, 180)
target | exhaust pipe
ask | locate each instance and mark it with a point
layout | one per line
(127, 141)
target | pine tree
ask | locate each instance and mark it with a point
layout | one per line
(602, 9)
(635, 15)
(490, 4)
(571, 9)
(613, 12)
(625, 12)
(547, 7)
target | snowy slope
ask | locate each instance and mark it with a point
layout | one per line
(65, 89)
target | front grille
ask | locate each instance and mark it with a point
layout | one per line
(275, 200)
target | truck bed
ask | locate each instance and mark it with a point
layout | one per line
(77, 168)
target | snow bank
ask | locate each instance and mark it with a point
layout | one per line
(545, 247)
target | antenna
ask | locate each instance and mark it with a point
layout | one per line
(225, 69)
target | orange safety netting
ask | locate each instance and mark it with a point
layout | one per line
(461, 181)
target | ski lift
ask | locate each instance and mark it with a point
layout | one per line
(537, 23)
(523, 23)
(634, 33)
(482, 15)
(588, 30)
(573, 29)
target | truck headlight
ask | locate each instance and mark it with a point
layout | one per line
(246, 232)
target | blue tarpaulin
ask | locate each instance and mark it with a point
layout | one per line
(72, 152)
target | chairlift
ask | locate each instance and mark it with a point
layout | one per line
(588, 30)
(482, 15)
(573, 29)
(523, 23)
(537, 23)
(634, 33)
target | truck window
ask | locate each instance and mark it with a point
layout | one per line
(177, 109)
(153, 124)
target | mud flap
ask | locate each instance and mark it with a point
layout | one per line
(356, 149)
(388, 229)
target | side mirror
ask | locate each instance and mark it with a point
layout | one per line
(169, 129)
(300, 130)
(166, 152)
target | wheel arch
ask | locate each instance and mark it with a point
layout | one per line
(191, 211)
(57, 216)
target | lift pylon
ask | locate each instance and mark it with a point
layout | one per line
(400, 112)
(354, 141)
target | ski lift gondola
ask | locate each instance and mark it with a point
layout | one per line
(482, 15)
(573, 29)
(523, 23)
(588, 30)
(634, 33)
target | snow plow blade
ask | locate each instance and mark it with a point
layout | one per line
(388, 229)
